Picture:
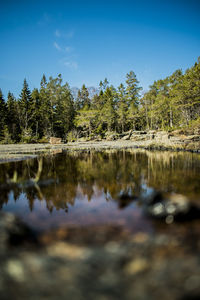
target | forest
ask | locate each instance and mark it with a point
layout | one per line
(54, 110)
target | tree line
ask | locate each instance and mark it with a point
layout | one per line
(52, 110)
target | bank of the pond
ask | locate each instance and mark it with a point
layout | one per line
(14, 152)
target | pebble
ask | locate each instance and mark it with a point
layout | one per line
(136, 266)
(66, 250)
(168, 207)
(15, 269)
(112, 247)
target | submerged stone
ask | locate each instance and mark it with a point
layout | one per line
(13, 232)
(174, 207)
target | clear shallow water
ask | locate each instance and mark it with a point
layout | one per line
(95, 188)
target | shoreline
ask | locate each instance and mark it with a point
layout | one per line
(16, 152)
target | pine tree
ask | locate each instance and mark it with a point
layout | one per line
(122, 107)
(186, 94)
(108, 114)
(105, 84)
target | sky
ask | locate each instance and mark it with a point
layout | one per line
(87, 41)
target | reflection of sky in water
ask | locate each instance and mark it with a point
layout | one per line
(100, 210)
(95, 188)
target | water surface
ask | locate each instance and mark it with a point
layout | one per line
(95, 188)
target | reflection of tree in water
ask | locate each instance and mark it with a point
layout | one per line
(177, 172)
(119, 175)
(111, 172)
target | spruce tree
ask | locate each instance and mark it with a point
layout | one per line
(26, 106)
(64, 112)
(133, 91)
(13, 118)
(3, 115)
(36, 121)
(83, 98)
(45, 110)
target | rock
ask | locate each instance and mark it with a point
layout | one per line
(15, 270)
(197, 131)
(54, 140)
(150, 136)
(152, 131)
(61, 249)
(138, 132)
(85, 235)
(125, 199)
(136, 266)
(175, 207)
(126, 137)
(14, 232)
(162, 135)
(111, 137)
(192, 138)
(138, 137)
(123, 134)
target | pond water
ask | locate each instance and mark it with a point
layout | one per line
(91, 188)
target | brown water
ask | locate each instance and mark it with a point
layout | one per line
(95, 188)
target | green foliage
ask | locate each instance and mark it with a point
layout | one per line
(72, 135)
(26, 106)
(85, 118)
(132, 91)
(83, 98)
(174, 101)
(108, 113)
(122, 107)
(37, 120)
(6, 136)
(27, 136)
(45, 109)
(43, 140)
(3, 113)
(170, 103)
(13, 121)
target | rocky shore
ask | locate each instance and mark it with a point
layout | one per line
(152, 140)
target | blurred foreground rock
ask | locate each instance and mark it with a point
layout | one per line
(70, 264)
(173, 207)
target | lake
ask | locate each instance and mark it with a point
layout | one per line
(90, 188)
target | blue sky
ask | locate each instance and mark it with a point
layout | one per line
(87, 41)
